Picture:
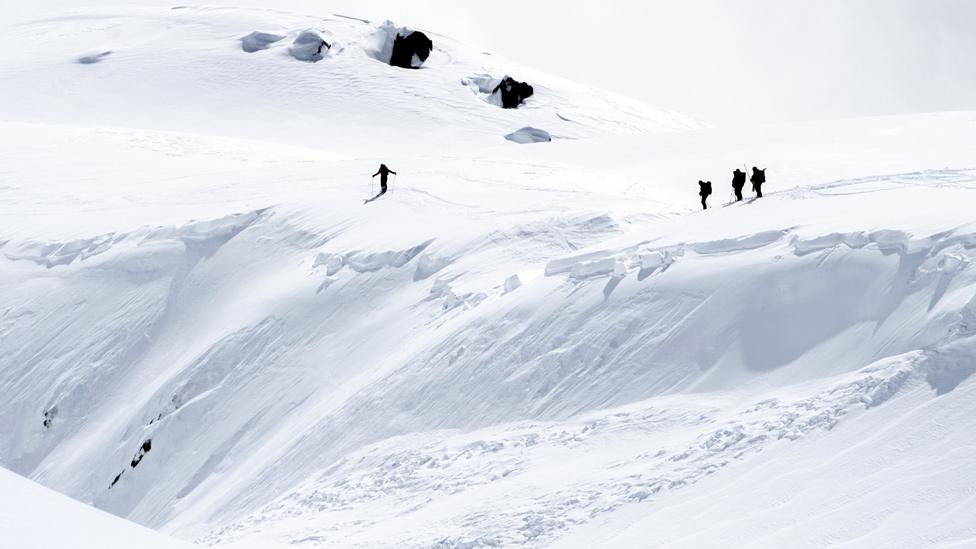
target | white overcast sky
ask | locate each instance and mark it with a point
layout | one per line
(722, 61)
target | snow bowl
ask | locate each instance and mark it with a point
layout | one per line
(398, 46)
(258, 40)
(528, 135)
(309, 46)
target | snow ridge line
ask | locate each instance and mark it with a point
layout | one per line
(59, 253)
(618, 263)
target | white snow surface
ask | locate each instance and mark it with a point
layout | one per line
(35, 517)
(517, 346)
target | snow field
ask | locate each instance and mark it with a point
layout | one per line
(202, 329)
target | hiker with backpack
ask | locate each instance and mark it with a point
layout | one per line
(757, 179)
(738, 182)
(384, 174)
(705, 189)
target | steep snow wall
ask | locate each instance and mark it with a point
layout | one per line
(257, 343)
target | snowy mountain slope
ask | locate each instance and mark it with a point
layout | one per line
(203, 329)
(27, 511)
(185, 69)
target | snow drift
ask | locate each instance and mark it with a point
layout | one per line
(257, 41)
(309, 46)
(529, 135)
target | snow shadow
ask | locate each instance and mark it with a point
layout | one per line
(309, 46)
(93, 58)
(528, 134)
(258, 40)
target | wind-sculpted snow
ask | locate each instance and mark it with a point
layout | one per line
(258, 40)
(685, 442)
(256, 340)
(528, 135)
(92, 58)
(204, 330)
(52, 254)
(261, 91)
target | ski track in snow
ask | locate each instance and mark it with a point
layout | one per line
(201, 329)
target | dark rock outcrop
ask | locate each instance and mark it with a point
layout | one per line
(143, 450)
(411, 51)
(49, 416)
(513, 92)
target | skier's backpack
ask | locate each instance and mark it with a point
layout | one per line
(758, 176)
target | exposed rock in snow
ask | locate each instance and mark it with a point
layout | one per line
(512, 93)
(503, 92)
(411, 50)
(143, 450)
(399, 46)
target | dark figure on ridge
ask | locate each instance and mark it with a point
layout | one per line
(704, 191)
(384, 173)
(738, 182)
(758, 178)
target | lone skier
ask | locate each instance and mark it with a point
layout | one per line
(738, 181)
(705, 189)
(758, 178)
(384, 173)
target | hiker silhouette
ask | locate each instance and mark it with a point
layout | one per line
(738, 181)
(758, 178)
(705, 189)
(384, 173)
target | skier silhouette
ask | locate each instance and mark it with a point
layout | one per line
(758, 178)
(384, 173)
(704, 191)
(738, 181)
